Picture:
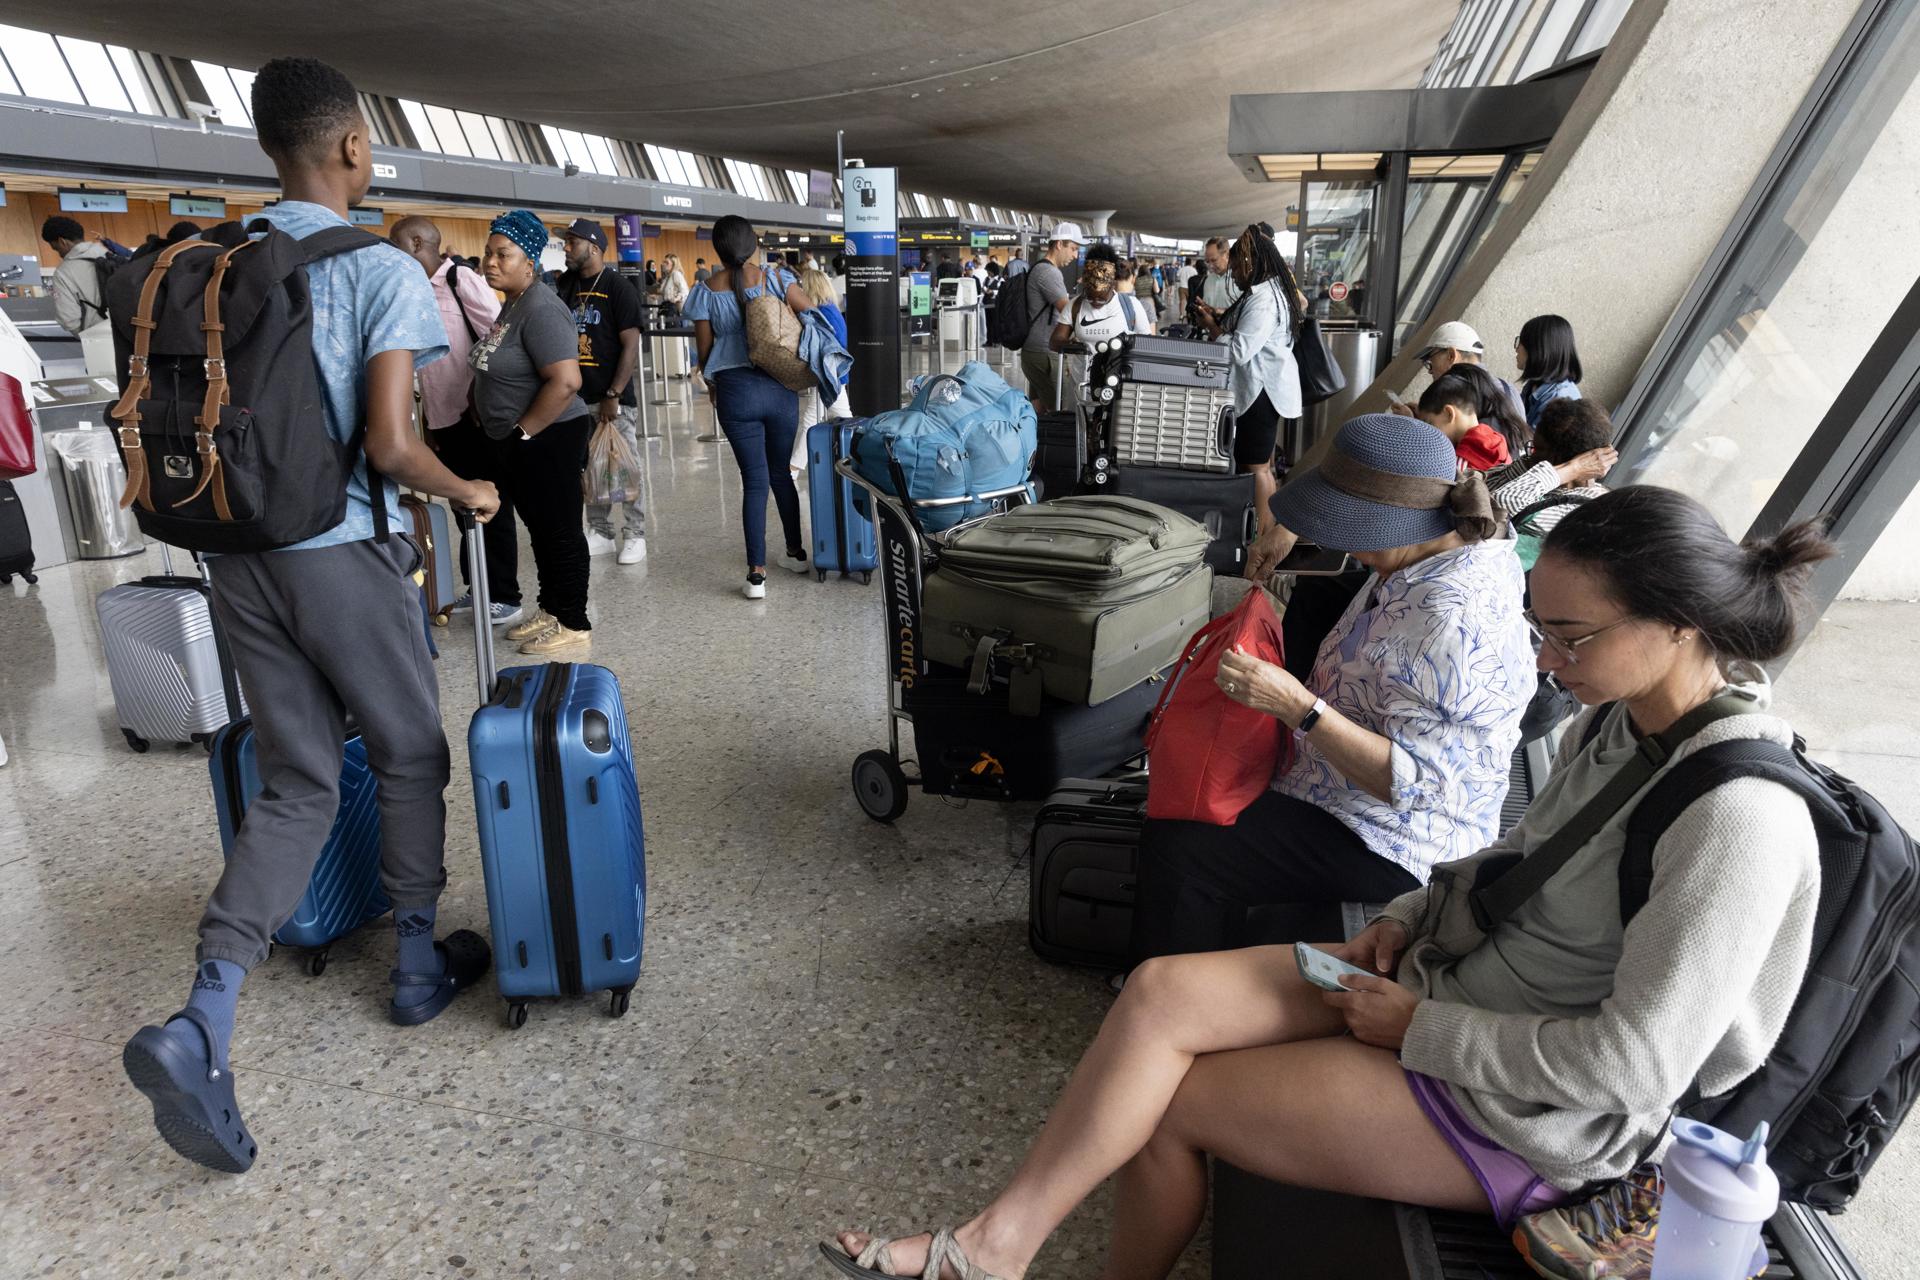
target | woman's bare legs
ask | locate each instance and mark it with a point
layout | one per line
(1173, 1010)
(1331, 1113)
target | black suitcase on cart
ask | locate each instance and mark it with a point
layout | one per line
(1061, 457)
(1223, 503)
(1082, 869)
(972, 745)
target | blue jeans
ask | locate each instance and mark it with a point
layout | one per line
(759, 418)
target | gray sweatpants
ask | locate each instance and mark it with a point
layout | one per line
(318, 635)
(600, 514)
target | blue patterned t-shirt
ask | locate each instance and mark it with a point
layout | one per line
(1436, 658)
(364, 302)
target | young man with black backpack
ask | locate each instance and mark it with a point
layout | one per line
(80, 281)
(323, 628)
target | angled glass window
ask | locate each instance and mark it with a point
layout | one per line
(1555, 29)
(243, 86)
(94, 70)
(421, 126)
(7, 83)
(222, 96)
(38, 66)
(446, 127)
(1602, 21)
(601, 154)
(1751, 365)
(479, 137)
(504, 141)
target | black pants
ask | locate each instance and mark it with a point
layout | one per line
(542, 481)
(467, 452)
(1256, 434)
(1196, 881)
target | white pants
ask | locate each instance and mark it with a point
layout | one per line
(810, 413)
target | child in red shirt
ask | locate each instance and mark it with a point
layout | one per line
(1470, 408)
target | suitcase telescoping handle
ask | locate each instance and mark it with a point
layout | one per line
(483, 657)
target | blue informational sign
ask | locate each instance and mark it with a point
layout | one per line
(873, 227)
(93, 202)
(873, 287)
(627, 236)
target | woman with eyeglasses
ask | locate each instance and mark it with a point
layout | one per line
(1549, 364)
(1503, 1069)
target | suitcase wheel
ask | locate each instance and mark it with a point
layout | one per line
(617, 1006)
(866, 577)
(880, 786)
(819, 575)
(439, 619)
(134, 740)
(316, 963)
(205, 740)
(516, 1015)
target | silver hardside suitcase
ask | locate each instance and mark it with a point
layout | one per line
(1171, 407)
(163, 659)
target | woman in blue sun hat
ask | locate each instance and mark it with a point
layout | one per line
(1405, 729)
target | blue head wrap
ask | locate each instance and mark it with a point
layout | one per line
(524, 228)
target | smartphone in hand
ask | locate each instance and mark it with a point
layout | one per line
(1323, 970)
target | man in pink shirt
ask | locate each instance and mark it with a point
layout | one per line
(468, 309)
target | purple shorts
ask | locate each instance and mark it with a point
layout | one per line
(1513, 1188)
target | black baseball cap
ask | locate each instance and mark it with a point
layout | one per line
(587, 229)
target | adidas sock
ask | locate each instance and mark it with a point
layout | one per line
(216, 993)
(413, 931)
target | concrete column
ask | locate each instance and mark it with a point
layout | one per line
(1639, 184)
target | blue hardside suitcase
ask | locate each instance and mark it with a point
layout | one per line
(561, 842)
(841, 519)
(344, 892)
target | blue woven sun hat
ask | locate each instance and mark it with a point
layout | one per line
(1387, 482)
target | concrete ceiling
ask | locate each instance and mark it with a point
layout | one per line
(1075, 105)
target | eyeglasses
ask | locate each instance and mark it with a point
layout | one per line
(1568, 647)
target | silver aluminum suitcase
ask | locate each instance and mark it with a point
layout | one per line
(1171, 407)
(163, 660)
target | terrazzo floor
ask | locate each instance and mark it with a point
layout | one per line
(837, 1023)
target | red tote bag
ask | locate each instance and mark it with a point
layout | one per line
(1210, 757)
(16, 430)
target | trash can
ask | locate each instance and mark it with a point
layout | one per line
(1357, 352)
(94, 476)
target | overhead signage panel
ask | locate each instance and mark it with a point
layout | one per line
(197, 207)
(93, 201)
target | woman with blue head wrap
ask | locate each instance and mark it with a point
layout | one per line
(526, 393)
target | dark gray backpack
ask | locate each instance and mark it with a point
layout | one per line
(1847, 1065)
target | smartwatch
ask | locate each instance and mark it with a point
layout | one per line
(1312, 717)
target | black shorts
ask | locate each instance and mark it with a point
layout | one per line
(1256, 433)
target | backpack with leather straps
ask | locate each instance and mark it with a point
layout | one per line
(1846, 1068)
(221, 420)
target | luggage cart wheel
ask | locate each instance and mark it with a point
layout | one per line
(866, 577)
(316, 964)
(617, 1005)
(819, 575)
(516, 1015)
(135, 741)
(880, 786)
(440, 619)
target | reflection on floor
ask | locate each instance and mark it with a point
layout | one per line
(837, 1023)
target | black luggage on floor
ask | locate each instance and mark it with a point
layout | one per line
(1082, 868)
(973, 745)
(1062, 456)
(16, 540)
(1223, 503)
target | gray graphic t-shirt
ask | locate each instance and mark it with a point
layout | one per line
(533, 331)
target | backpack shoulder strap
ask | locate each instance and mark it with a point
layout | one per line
(1559, 498)
(332, 241)
(1596, 724)
(1692, 778)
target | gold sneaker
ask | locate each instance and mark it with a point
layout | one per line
(540, 621)
(556, 639)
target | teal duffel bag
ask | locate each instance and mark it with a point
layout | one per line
(962, 436)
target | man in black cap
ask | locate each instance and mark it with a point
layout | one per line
(610, 315)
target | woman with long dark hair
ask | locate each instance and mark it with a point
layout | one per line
(1260, 326)
(1549, 364)
(1505, 1068)
(758, 416)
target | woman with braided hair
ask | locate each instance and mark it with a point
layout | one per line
(1259, 329)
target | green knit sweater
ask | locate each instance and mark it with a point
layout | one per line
(1566, 1038)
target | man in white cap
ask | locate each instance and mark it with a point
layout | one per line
(1048, 300)
(1455, 342)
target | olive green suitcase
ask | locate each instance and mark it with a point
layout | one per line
(1082, 597)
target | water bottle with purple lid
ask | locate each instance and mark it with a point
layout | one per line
(1719, 1194)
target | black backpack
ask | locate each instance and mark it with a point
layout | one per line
(1847, 1065)
(1012, 316)
(220, 418)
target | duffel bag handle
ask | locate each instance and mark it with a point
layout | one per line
(919, 402)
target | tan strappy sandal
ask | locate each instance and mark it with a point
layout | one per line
(876, 1260)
